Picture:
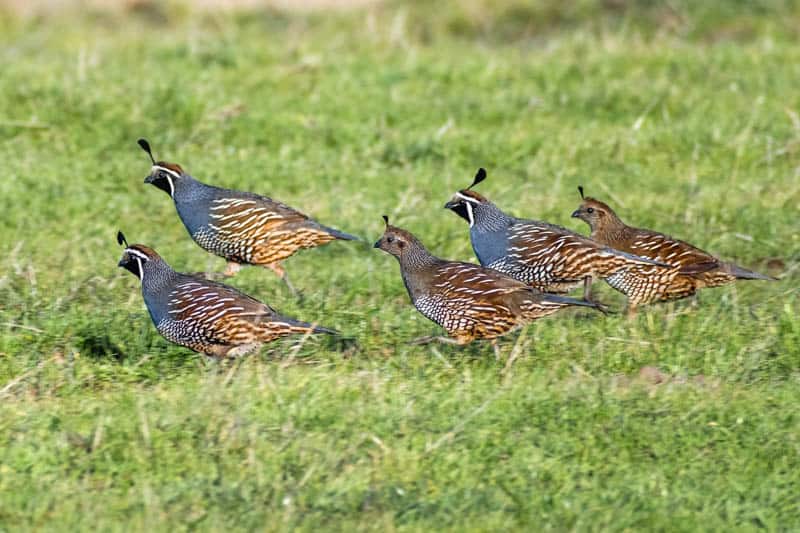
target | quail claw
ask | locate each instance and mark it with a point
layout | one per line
(603, 308)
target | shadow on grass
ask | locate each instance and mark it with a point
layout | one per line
(94, 342)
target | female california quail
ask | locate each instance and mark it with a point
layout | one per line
(203, 315)
(469, 301)
(545, 256)
(690, 268)
(242, 227)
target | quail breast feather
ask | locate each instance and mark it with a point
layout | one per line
(204, 315)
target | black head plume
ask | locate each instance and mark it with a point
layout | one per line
(121, 239)
(146, 147)
(580, 190)
(386, 219)
(479, 177)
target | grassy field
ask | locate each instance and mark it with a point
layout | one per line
(686, 118)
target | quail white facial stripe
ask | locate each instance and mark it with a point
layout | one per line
(467, 198)
(136, 253)
(470, 214)
(167, 170)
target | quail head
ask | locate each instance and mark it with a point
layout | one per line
(241, 227)
(469, 301)
(203, 315)
(545, 256)
(690, 267)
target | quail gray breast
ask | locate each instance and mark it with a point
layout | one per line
(205, 316)
(545, 256)
(242, 227)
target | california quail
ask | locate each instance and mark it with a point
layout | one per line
(469, 301)
(545, 256)
(242, 227)
(203, 315)
(690, 267)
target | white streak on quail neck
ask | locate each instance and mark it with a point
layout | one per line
(470, 214)
(141, 268)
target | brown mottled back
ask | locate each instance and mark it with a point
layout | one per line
(468, 300)
(692, 267)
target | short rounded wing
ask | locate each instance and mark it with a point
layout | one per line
(666, 249)
(541, 253)
(214, 313)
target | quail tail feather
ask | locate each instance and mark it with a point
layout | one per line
(743, 273)
(327, 331)
(342, 236)
(299, 326)
(566, 300)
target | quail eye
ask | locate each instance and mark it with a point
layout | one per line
(389, 239)
(590, 210)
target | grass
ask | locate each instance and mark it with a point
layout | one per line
(685, 119)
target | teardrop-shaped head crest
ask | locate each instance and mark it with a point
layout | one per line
(479, 177)
(386, 219)
(121, 240)
(580, 190)
(146, 147)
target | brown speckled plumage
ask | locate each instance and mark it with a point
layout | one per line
(469, 301)
(690, 267)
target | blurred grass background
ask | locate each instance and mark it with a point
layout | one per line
(683, 115)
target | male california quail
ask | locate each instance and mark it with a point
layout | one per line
(690, 267)
(469, 301)
(242, 227)
(203, 315)
(545, 256)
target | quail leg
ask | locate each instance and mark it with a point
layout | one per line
(281, 272)
(242, 349)
(433, 338)
(587, 288)
(496, 349)
(587, 295)
(631, 311)
(232, 268)
(217, 351)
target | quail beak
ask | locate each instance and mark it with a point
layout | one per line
(451, 204)
(150, 178)
(576, 213)
(377, 244)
